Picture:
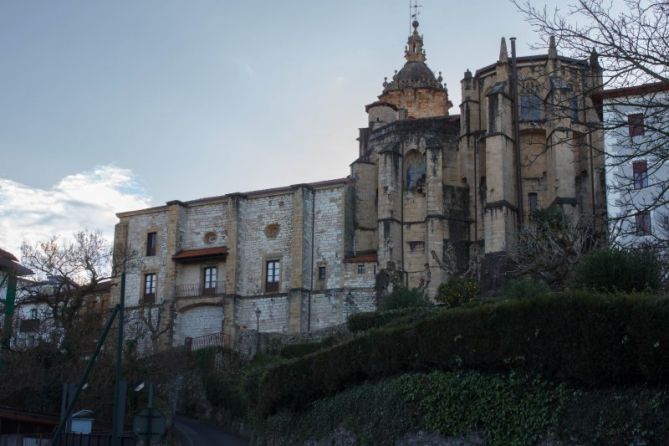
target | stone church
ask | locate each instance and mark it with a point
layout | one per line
(431, 195)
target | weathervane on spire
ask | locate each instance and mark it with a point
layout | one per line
(413, 12)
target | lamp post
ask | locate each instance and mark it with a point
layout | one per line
(349, 303)
(258, 330)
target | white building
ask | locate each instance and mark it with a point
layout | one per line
(637, 171)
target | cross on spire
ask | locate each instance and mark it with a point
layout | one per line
(414, 12)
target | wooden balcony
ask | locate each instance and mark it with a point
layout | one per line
(199, 290)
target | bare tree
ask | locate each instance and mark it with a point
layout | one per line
(629, 40)
(551, 246)
(151, 322)
(67, 273)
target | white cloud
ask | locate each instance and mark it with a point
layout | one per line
(86, 200)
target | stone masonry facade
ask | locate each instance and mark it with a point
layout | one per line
(430, 196)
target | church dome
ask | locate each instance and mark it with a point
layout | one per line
(415, 73)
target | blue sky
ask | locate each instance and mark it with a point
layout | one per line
(171, 99)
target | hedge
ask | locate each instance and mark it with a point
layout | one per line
(586, 340)
(374, 319)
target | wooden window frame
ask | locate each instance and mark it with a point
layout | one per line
(272, 275)
(151, 248)
(149, 298)
(640, 174)
(209, 286)
(635, 124)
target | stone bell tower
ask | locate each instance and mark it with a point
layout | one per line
(414, 88)
(406, 153)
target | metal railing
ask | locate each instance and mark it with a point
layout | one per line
(74, 439)
(210, 340)
(199, 289)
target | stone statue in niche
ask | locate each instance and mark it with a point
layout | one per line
(415, 179)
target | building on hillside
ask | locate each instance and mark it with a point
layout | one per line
(636, 120)
(10, 266)
(34, 320)
(11, 272)
(431, 195)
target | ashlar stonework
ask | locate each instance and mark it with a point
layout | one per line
(430, 195)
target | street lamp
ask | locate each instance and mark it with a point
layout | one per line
(258, 330)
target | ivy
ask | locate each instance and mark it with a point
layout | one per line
(511, 409)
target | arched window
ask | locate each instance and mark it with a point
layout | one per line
(415, 172)
(530, 102)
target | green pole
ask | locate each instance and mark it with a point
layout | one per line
(118, 420)
(89, 367)
(10, 301)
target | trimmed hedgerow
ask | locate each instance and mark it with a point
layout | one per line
(374, 319)
(587, 340)
(297, 350)
(618, 270)
(524, 287)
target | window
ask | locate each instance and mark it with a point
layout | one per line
(492, 113)
(361, 268)
(33, 314)
(150, 288)
(574, 108)
(209, 276)
(321, 273)
(533, 202)
(272, 276)
(415, 172)
(530, 107)
(635, 123)
(643, 223)
(640, 174)
(151, 244)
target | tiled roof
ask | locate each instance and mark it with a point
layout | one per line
(364, 257)
(202, 253)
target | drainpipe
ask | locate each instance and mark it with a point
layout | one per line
(516, 132)
(313, 230)
(401, 173)
(592, 178)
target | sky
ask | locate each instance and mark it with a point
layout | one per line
(120, 105)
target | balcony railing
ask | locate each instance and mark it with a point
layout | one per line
(210, 340)
(199, 289)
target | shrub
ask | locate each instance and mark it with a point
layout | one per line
(619, 270)
(297, 350)
(403, 298)
(373, 319)
(524, 287)
(457, 291)
(589, 340)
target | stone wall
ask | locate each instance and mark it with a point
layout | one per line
(138, 228)
(329, 237)
(203, 220)
(257, 244)
(197, 321)
(273, 313)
